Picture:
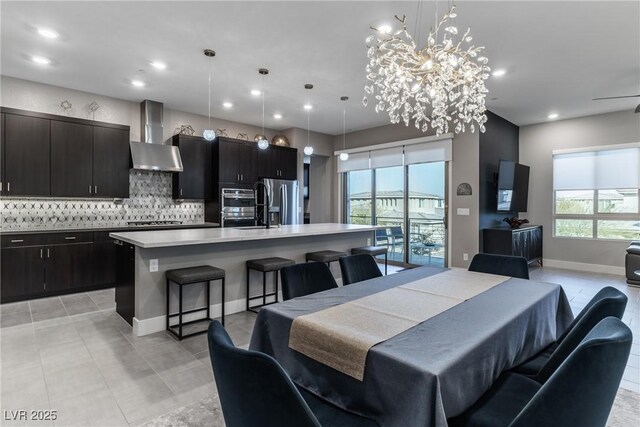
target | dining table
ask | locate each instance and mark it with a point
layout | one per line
(412, 348)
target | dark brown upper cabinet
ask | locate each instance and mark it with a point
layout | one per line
(110, 162)
(194, 182)
(49, 155)
(237, 161)
(71, 159)
(278, 163)
(26, 156)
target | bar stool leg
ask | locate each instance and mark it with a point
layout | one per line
(264, 288)
(180, 312)
(223, 286)
(385, 263)
(276, 273)
(208, 284)
(247, 288)
(168, 295)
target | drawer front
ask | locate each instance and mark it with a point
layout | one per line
(18, 240)
(66, 238)
(102, 236)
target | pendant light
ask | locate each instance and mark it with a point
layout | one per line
(263, 144)
(344, 156)
(308, 149)
(209, 134)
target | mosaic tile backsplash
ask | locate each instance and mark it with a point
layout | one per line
(149, 200)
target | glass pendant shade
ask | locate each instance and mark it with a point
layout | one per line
(263, 144)
(209, 134)
(344, 156)
(308, 150)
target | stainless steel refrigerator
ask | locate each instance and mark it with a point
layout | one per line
(283, 201)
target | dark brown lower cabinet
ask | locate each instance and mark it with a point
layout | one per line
(22, 272)
(68, 267)
(40, 265)
(525, 242)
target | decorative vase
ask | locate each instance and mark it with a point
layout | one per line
(280, 140)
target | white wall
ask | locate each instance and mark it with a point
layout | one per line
(43, 98)
(536, 145)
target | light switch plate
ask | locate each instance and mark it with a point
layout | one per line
(463, 211)
(153, 265)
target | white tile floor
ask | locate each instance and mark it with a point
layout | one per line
(74, 354)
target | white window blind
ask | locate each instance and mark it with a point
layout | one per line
(436, 151)
(599, 170)
(386, 158)
(355, 162)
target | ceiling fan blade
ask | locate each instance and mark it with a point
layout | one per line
(615, 97)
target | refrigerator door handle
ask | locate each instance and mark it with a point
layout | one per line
(283, 210)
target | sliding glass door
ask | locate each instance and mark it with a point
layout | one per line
(389, 209)
(426, 213)
(410, 202)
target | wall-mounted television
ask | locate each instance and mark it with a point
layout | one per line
(513, 187)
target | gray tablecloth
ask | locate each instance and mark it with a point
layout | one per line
(434, 370)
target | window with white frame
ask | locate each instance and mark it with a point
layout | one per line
(595, 193)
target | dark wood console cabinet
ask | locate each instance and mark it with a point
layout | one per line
(525, 242)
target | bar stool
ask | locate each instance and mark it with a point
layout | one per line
(373, 251)
(265, 265)
(325, 256)
(188, 276)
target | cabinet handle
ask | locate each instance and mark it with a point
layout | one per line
(241, 177)
(41, 253)
(181, 192)
(17, 240)
(95, 189)
(48, 254)
(89, 189)
(0, 186)
(8, 187)
(70, 238)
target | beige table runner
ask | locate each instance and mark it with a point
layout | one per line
(341, 336)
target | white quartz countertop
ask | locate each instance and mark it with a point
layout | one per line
(169, 238)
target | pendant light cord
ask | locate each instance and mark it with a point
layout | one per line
(308, 121)
(344, 128)
(263, 107)
(209, 92)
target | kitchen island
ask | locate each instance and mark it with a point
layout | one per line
(141, 293)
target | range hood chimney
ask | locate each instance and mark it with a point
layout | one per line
(152, 153)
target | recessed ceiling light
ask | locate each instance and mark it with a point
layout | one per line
(277, 116)
(41, 60)
(499, 73)
(308, 106)
(256, 92)
(159, 65)
(552, 116)
(227, 104)
(46, 32)
(385, 29)
(138, 83)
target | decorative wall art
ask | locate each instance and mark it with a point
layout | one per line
(185, 130)
(67, 107)
(243, 136)
(464, 189)
(222, 132)
(92, 108)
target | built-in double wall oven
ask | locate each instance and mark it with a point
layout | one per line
(238, 207)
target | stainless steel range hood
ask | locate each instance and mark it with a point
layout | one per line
(153, 153)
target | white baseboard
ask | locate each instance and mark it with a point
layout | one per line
(581, 266)
(159, 323)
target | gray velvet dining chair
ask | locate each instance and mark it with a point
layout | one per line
(609, 301)
(358, 268)
(579, 392)
(305, 279)
(255, 391)
(503, 265)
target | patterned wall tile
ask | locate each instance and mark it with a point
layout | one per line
(149, 199)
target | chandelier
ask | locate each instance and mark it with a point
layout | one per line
(446, 77)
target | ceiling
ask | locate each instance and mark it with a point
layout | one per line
(558, 55)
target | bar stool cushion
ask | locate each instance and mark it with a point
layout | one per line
(201, 273)
(634, 248)
(269, 264)
(371, 250)
(325, 256)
